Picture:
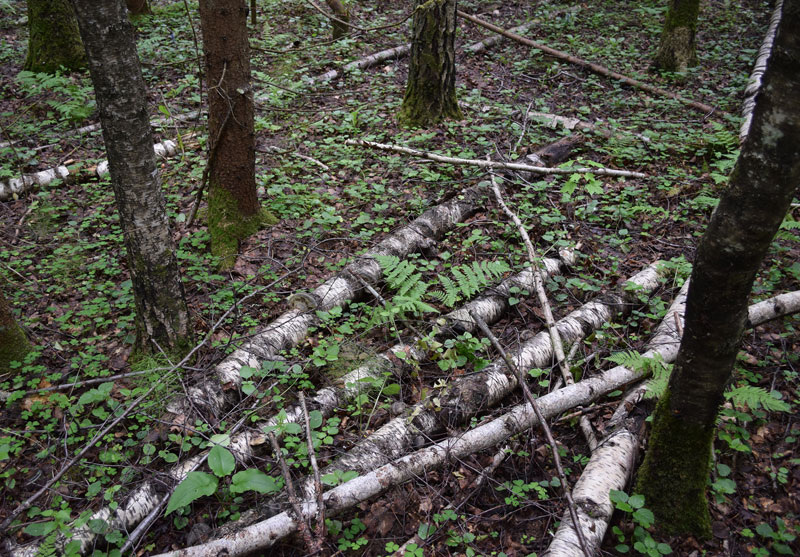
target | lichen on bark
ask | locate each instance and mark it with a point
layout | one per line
(430, 91)
(676, 51)
(53, 38)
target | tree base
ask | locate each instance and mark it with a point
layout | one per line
(228, 227)
(674, 475)
(676, 52)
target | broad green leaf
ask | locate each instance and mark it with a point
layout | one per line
(314, 419)
(253, 480)
(196, 485)
(221, 461)
(40, 528)
(425, 530)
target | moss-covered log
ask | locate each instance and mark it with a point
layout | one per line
(675, 472)
(13, 343)
(676, 51)
(53, 38)
(431, 88)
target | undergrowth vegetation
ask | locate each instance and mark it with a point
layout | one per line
(63, 262)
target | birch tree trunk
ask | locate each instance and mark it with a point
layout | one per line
(233, 208)
(676, 52)
(431, 88)
(53, 38)
(162, 315)
(675, 472)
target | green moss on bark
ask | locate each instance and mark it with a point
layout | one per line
(54, 40)
(675, 480)
(228, 226)
(676, 51)
(13, 343)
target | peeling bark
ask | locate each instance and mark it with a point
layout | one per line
(292, 326)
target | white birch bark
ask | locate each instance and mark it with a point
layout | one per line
(612, 465)
(754, 82)
(292, 327)
(17, 186)
(262, 535)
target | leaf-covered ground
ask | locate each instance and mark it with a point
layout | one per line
(63, 262)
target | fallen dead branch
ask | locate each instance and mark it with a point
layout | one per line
(591, 66)
(612, 465)
(17, 186)
(754, 82)
(492, 164)
(520, 418)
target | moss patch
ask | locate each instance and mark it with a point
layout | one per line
(674, 474)
(54, 40)
(228, 226)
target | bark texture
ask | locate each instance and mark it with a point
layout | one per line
(340, 25)
(162, 315)
(431, 88)
(138, 7)
(53, 38)
(675, 471)
(676, 51)
(13, 343)
(233, 208)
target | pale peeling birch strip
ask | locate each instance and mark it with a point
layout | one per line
(520, 418)
(611, 466)
(292, 327)
(754, 81)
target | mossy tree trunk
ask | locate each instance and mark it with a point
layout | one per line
(233, 208)
(340, 25)
(162, 316)
(676, 51)
(676, 468)
(431, 88)
(138, 7)
(53, 38)
(13, 343)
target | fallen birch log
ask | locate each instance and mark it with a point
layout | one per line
(611, 466)
(520, 418)
(16, 186)
(754, 81)
(492, 164)
(489, 42)
(591, 66)
(292, 326)
(418, 423)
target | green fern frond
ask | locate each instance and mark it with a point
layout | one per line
(756, 397)
(448, 296)
(654, 367)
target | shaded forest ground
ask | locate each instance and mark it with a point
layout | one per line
(62, 255)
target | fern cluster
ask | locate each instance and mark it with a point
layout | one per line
(405, 278)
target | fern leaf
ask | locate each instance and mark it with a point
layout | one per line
(756, 397)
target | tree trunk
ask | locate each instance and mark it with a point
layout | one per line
(676, 51)
(233, 209)
(342, 14)
(162, 315)
(13, 343)
(138, 7)
(675, 471)
(431, 89)
(53, 39)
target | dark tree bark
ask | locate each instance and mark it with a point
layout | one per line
(676, 51)
(53, 38)
(431, 89)
(233, 208)
(138, 7)
(13, 343)
(676, 468)
(340, 25)
(162, 315)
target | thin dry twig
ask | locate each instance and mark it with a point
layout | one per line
(312, 457)
(493, 164)
(542, 421)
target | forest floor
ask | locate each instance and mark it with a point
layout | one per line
(63, 260)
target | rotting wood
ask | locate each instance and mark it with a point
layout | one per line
(17, 186)
(596, 68)
(264, 534)
(492, 164)
(612, 465)
(754, 81)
